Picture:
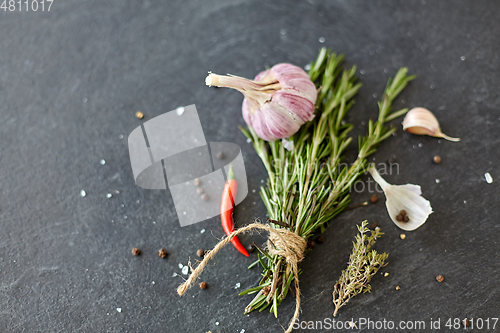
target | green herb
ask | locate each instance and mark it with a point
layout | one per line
(307, 186)
(363, 265)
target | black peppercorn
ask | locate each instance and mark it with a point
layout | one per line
(318, 239)
(251, 248)
(162, 253)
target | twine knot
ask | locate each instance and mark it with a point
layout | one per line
(281, 242)
(287, 244)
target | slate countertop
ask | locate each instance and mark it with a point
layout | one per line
(72, 79)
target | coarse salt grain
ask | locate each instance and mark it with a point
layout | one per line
(488, 178)
(119, 309)
(185, 270)
(83, 193)
(180, 110)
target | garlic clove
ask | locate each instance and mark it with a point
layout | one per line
(273, 122)
(302, 108)
(404, 197)
(421, 121)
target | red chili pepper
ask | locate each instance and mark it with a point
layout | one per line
(227, 207)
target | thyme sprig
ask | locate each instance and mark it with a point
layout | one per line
(307, 186)
(362, 266)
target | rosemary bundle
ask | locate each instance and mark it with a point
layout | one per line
(307, 186)
(363, 265)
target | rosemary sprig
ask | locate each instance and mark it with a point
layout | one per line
(307, 186)
(363, 265)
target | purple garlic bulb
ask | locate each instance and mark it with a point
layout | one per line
(277, 102)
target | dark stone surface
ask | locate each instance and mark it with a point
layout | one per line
(72, 79)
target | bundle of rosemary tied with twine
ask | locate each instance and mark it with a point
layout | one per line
(307, 186)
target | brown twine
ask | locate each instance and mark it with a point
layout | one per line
(281, 242)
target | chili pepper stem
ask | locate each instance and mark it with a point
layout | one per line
(230, 173)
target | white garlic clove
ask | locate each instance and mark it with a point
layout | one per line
(421, 121)
(404, 197)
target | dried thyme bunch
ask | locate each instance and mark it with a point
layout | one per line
(362, 266)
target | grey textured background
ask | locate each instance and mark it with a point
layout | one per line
(71, 80)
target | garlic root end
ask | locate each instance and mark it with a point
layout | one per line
(449, 138)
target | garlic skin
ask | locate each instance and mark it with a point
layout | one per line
(421, 121)
(288, 145)
(277, 102)
(407, 197)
